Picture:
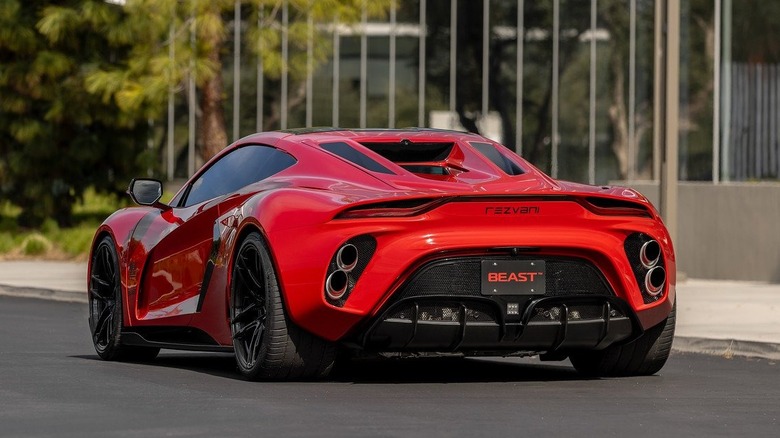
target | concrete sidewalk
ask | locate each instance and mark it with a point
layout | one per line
(715, 317)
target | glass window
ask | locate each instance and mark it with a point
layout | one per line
(238, 169)
(491, 153)
(351, 154)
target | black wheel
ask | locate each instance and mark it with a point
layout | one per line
(641, 357)
(105, 307)
(267, 344)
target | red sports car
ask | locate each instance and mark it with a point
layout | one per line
(289, 246)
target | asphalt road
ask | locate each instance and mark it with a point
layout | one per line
(52, 384)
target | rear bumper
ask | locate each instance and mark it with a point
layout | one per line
(479, 325)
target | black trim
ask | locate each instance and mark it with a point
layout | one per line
(325, 129)
(538, 330)
(174, 338)
(204, 285)
(143, 225)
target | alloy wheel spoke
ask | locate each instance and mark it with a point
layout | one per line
(110, 268)
(101, 289)
(95, 294)
(243, 312)
(245, 329)
(105, 258)
(254, 344)
(248, 267)
(102, 325)
(96, 278)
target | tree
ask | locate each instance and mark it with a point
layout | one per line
(55, 138)
(197, 32)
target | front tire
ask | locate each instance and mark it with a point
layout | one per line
(268, 346)
(642, 357)
(105, 307)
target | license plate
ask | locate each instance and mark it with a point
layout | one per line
(513, 277)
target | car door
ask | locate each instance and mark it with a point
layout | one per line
(176, 268)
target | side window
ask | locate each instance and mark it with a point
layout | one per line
(243, 166)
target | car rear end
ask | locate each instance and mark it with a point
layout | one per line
(494, 274)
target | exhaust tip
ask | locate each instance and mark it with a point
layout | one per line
(347, 257)
(650, 253)
(655, 280)
(336, 285)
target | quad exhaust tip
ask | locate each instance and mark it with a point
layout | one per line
(336, 285)
(650, 253)
(347, 257)
(655, 280)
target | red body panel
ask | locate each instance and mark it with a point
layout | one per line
(164, 253)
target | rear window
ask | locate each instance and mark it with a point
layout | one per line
(351, 154)
(491, 153)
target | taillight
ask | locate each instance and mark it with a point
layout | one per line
(614, 207)
(406, 208)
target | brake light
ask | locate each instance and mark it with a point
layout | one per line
(406, 208)
(614, 207)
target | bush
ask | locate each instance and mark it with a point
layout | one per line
(36, 244)
(49, 226)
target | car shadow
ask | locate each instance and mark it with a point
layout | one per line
(214, 364)
(391, 370)
(452, 370)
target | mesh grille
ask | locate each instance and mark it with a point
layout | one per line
(461, 277)
(575, 312)
(475, 312)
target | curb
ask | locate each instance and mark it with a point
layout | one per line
(727, 348)
(43, 294)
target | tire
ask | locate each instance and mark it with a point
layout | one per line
(268, 346)
(105, 307)
(642, 357)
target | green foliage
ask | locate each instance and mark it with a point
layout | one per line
(35, 245)
(52, 241)
(57, 138)
(81, 79)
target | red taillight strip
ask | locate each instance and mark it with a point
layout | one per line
(391, 209)
(414, 207)
(614, 207)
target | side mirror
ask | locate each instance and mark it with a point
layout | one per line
(145, 191)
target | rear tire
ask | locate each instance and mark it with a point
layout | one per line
(105, 307)
(641, 357)
(268, 346)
